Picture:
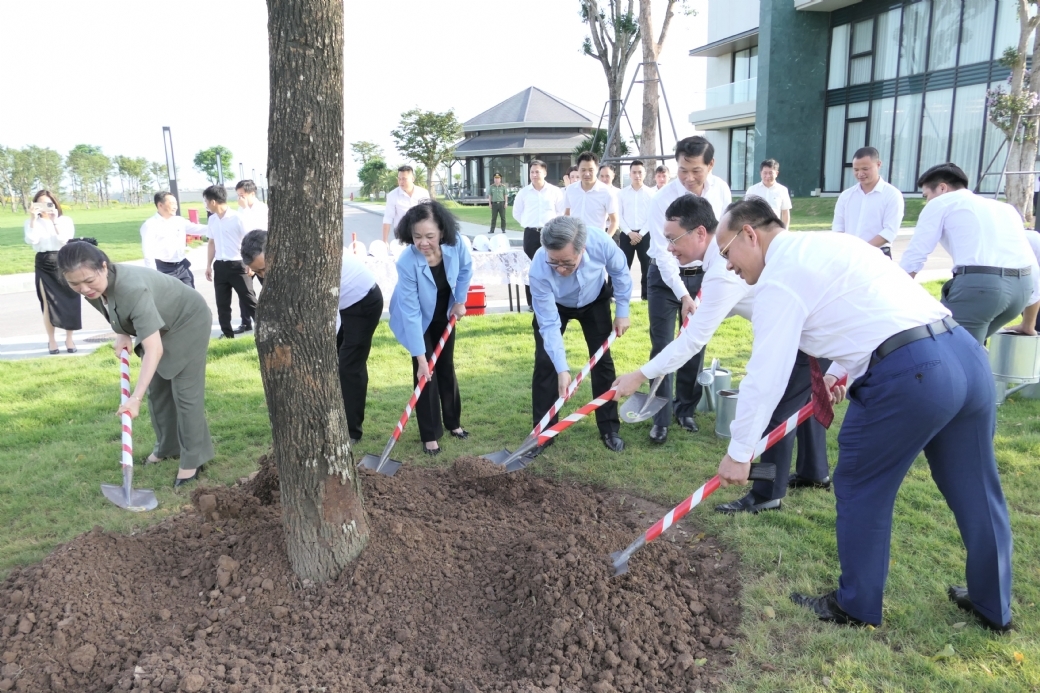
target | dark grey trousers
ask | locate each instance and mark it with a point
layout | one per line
(984, 303)
(663, 309)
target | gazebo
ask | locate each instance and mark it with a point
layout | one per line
(507, 136)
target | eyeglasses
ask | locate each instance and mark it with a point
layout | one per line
(673, 241)
(561, 265)
(725, 251)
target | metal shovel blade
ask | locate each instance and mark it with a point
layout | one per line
(383, 465)
(640, 407)
(620, 568)
(129, 498)
(497, 457)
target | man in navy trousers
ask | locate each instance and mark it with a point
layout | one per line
(918, 382)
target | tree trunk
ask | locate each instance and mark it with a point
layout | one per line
(323, 513)
(429, 181)
(648, 135)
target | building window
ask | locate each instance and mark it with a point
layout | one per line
(741, 158)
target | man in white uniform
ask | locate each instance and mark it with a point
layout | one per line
(534, 206)
(871, 209)
(224, 266)
(402, 198)
(771, 191)
(633, 214)
(591, 200)
(252, 210)
(164, 239)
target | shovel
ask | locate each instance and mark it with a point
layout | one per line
(382, 463)
(640, 407)
(503, 455)
(125, 496)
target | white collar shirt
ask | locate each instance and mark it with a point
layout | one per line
(166, 239)
(46, 236)
(634, 208)
(254, 217)
(831, 296)
(227, 234)
(398, 202)
(355, 281)
(776, 195)
(533, 208)
(715, 191)
(591, 206)
(723, 294)
(867, 215)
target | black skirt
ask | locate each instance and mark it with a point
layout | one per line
(63, 304)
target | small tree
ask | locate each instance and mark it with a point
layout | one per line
(427, 137)
(6, 173)
(48, 167)
(613, 41)
(365, 151)
(206, 162)
(23, 176)
(371, 176)
(158, 176)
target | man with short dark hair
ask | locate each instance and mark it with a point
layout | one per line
(634, 202)
(360, 307)
(164, 239)
(402, 198)
(661, 175)
(994, 270)
(534, 206)
(224, 266)
(670, 287)
(872, 209)
(591, 200)
(572, 176)
(252, 210)
(771, 191)
(568, 282)
(498, 195)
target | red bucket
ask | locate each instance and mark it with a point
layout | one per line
(476, 300)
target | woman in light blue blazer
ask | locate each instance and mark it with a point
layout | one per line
(433, 275)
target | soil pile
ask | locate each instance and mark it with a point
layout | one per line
(472, 581)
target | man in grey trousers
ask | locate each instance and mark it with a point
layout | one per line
(995, 274)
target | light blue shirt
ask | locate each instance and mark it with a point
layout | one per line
(415, 296)
(582, 287)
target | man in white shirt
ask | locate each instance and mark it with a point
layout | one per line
(670, 287)
(772, 192)
(633, 213)
(871, 209)
(402, 198)
(224, 266)
(726, 294)
(534, 206)
(661, 176)
(994, 271)
(591, 200)
(252, 210)
(360, 307)
(606, 177)
(164, 239)
(918, 381)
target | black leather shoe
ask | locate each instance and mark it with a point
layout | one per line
(226, 336)
(613, 442)
(798, 482)
(959, 595)
(461, 435)
(432, 453)
(747, 504)
(658, 434)
(687, 423)
(177, 483)
(826, 608)
(244, 327)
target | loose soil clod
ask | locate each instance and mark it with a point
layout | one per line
(473, 580)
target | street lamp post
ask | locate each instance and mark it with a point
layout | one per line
(171, 166)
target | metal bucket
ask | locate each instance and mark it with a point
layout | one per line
(1015, 358)
(726, 411)
(723, 381)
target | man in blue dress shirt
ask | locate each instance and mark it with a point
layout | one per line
(569, 282)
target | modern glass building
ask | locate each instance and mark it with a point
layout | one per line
(813, 80)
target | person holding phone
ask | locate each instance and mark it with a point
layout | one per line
(47, 230)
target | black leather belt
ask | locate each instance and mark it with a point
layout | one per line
(998, 271)
(914, 334)
(684, 271)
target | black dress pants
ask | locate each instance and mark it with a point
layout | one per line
(641, 249)
(228, 276)
(440, 397)
(811, 463)
(663, 310)
(498, 209)
(532, 242)
(177, 270)
(354, 342)
(596, 325)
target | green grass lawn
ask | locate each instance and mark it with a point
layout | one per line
(117, 229)
(61, 440)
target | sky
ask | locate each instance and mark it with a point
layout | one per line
(112, 73)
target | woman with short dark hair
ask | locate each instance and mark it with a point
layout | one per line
(172, 324)
(47, 230)
(433, 275)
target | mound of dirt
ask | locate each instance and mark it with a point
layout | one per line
(472, 581)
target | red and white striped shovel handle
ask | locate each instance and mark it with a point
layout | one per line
(574, 385)
(422, 381)
(573, 418)
(124, 395)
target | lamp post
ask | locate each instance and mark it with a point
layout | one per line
(171, 166)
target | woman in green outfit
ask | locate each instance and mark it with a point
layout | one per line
(172, 324)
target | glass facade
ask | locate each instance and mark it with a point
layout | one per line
(911, 80)
(742, 168)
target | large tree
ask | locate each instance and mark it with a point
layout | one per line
(365, 151)
(651, 51)
(322, 508)
(206, 162)
(6, 171)
(614, 38)
(428, 137)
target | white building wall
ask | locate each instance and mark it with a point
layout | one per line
(731, 17)
(719, 70)
(720, 140)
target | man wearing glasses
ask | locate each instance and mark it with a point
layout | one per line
(567, 283)
(689, 231)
